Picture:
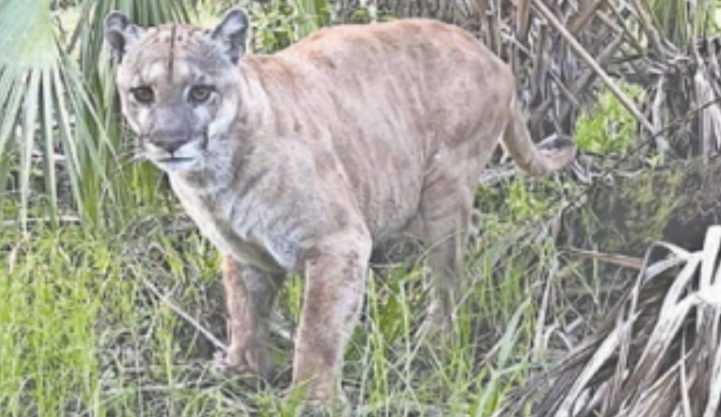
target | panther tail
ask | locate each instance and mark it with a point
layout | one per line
(536, 159)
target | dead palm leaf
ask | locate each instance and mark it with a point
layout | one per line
(660, 352)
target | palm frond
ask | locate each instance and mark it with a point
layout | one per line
(35, 76)
(60, 113)
(660, 352)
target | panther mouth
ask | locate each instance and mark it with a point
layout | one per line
(176, 163)
(175, 160)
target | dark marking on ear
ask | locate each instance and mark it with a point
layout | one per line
(230, 34)
(119, 32)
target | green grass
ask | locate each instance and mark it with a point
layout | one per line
(82, 334)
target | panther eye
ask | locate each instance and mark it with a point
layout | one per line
(200, 93)
(143, 94)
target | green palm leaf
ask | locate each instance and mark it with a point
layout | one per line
(60, 114)
(34, 78)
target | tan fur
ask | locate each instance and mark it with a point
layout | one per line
(319, 153)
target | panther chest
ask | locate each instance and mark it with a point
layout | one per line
(218, 220)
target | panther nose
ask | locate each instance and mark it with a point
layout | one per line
(169, 143)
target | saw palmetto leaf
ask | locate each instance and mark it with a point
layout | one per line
(41, 94)
(59, 127)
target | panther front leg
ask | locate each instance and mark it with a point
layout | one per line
(335, 274)
(250, 294)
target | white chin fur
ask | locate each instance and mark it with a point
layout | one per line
(177, 165)
(186, 158)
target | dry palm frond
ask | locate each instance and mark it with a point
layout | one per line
(660, 353)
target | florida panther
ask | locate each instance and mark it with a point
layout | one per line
(307, 159)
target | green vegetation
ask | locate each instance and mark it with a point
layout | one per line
(57, 97)
(682, 25)
(607, 127)
(82, 334)
(87, 234)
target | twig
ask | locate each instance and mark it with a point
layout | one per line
(585, 16)
(205, 332)
(31, 220)
(585, 56)
(622, 24)
(646, 22)
(523, 10)
(609, 258)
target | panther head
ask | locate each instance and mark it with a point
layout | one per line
(179, 86)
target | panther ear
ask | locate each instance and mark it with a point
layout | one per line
(119, 33)
(230, 34)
